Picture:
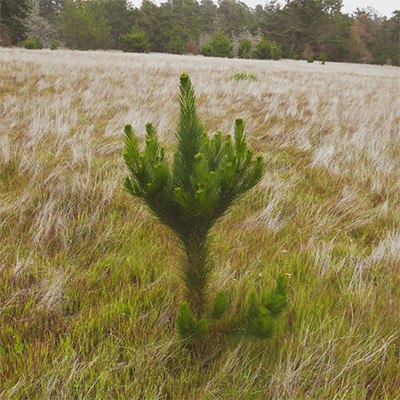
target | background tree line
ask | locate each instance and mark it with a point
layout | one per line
(299, 29)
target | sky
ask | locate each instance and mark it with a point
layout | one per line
(383, 7)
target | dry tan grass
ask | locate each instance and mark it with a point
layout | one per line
(72, 243)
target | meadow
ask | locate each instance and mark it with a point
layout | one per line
(89, 281)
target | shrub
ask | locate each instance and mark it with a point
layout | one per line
(244, 50)
(206, 177)
(176, 46)
(267, 50)
(263, 50)
(135, 41)
(310, 60)
(379, 60)
(276, 51)
(218, 46)
(31, 43)
(191, 48)
(242, 76)
(296, 57)
(322, 57)
(53, 45)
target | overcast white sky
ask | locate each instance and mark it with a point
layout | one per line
(383, 7)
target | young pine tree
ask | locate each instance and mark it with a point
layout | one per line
(206, 177)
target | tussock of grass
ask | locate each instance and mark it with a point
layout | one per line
(88, 293)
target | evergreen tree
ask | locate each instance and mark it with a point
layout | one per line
(11, 29)
(233, 16)
(135, 41)
(218, 46)
(244, 49)
(120, 18)
(393, 37)
(208, 15)
(379, 49)
(267, 50)
(84, 25)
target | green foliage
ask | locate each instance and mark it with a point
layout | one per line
(310, 60)
(218, 46)
(120, 18)
(262, 311)
(380, 60)
(296, 57)
(176, 46)
(12, 12)
(232, 17)
(207, 175)
(276, 51)
(379, 50)
(322, 57)
(244, 50)
(31, 43)
(188, 327)
(267, 50)
(258, 320)
(242, 76)
(83, 25)
(276, 301)
(135, 41)
(53, 45)
(220, 305)
(392, 38)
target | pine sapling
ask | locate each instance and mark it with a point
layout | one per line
(206, 177)
(188, 327)
(220, 305)
(258, 319)
(263, 310)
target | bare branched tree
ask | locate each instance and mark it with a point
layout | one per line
(36, 26)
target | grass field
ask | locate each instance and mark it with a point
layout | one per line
(89, 282)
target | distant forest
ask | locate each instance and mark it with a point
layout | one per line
(301, 29)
